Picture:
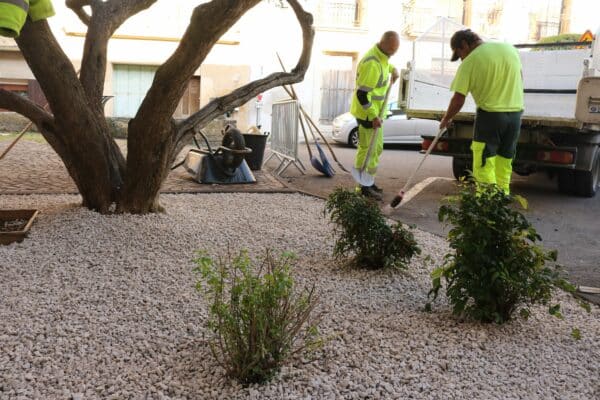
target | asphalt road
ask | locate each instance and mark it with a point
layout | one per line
(569, 224)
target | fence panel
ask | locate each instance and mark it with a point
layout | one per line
(284, 129)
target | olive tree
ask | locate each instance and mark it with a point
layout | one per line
(76, 127)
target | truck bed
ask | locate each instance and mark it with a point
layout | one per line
(550, 81)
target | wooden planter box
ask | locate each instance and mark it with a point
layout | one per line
(15, 224)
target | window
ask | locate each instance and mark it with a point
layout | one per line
(340, 13)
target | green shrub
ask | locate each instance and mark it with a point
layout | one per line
(364, 232)
(258, 318)
(495, 267)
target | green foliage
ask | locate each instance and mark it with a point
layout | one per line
(496, 267)
(258, 318)
(576, 334)
(562, 38)
(364, 232)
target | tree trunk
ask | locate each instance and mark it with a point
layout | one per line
(77, 129)
(80, 132)
(148, 165)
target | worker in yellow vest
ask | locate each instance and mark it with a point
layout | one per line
(372, 81)
(13, 14)
(491, 72)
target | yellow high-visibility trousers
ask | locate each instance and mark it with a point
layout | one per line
(364, 138)
(496, 170)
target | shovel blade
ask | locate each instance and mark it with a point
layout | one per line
(362, 177)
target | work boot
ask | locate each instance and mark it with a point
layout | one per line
(368, 191)
(376, 188)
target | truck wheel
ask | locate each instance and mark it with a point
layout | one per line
(566, 181)
(586, 182)
(460, 167)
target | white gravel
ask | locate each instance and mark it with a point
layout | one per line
(105, 307)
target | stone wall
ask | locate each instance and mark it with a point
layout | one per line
(13, 122)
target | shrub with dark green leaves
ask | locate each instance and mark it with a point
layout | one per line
(258, 317)
(363, 232)
(496, 266)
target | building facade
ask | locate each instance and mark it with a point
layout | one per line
(345, 29)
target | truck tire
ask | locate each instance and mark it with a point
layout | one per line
(460, 167)
(566, 181)
(586, 182)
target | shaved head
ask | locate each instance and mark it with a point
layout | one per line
(389, 43)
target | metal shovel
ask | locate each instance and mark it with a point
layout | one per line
(361, 175)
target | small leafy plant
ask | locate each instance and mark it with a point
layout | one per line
(496, 266)
(364, 232)
(258, 317)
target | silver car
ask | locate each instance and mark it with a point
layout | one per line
(397, 128)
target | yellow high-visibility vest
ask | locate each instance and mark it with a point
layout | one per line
(13, 14)
(372, 76)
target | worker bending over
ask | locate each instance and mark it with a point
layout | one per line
(491, 72)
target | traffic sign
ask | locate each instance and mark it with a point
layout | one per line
(588, 36)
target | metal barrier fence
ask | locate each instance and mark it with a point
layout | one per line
(284, 135)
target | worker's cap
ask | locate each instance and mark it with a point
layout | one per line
(456, 41)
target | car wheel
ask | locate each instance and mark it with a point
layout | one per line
(353, 138)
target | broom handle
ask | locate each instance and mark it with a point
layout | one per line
(16, 139)
(429, 149)
(311, 122)
(22, 133)
(305, 136)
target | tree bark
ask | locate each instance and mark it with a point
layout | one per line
(80, 133)
(76, 127)
(153, 138)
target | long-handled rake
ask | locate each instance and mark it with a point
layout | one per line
(361, 175)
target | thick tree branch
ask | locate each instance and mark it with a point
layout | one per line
(40, 117)
(105, 20)
(77, 7)
(82, 130)
(41, 50)
(209, 22)
(25, 107)
(243, 94)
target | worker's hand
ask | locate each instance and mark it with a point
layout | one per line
(376, 123)
(395, 75)
(445, 122)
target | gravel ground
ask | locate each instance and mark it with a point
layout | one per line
(105, 307)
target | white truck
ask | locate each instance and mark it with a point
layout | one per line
(560, 131)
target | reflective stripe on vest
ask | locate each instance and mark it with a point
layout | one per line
(18, 3)
(380, 82)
